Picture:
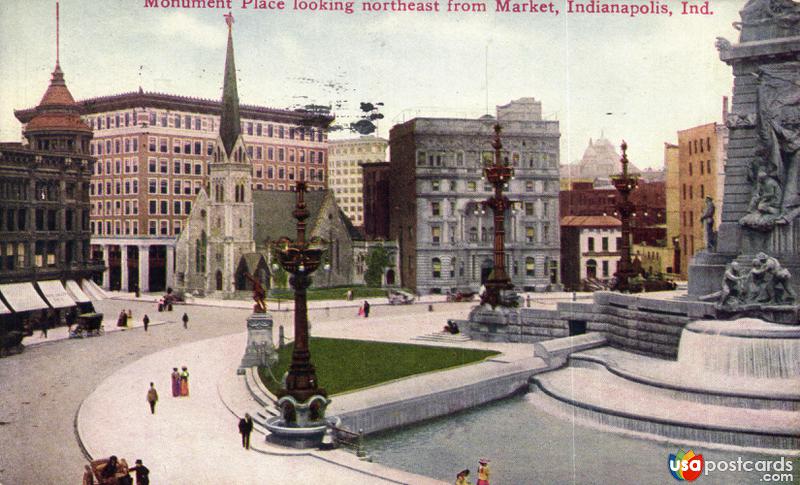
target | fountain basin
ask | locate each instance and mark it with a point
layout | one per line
(293, 436)
(746, 347)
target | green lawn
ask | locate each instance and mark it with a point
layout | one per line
(337, 293)
(346, 365)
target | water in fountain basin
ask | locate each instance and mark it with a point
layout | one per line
(746, 348)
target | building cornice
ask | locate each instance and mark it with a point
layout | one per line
(143, 99)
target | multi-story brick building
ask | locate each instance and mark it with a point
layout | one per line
(44, 212)
(345, 173)
(44, 193)
(376, 200)
(701, 171)
(153, 152)
(436, 188)
(673, 196)
(647, 222)
(589, 249)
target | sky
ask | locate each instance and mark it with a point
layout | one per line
(637, 78)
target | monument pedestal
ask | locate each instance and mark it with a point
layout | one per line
(488, 324)
(706, 272)
(260, 350)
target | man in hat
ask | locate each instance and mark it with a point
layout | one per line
(142, 473)
(483, 472)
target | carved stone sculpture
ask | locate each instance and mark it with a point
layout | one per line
(766, 284)
(774, 171)
(732, 295)
(768, 18)
(707, 219)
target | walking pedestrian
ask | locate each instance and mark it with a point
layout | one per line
(366, 309)
(184, 381)
(122, 319)
(142, 473)
(152, 398)
(462, 478)
(483, 472)
(245, 428)
(146, 321)
(176, 382)
(185, 319)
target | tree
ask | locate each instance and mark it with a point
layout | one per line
(279, 276)
(377, 261)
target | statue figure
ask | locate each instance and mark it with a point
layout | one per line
(732, 295)
(784, 293)
(708, 224)
(764, 208)
(758, 15)
(760, 281)
(259, 295)
(767, 283)
(775, 170)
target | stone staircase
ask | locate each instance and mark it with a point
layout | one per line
(640, 395)
(443, 337)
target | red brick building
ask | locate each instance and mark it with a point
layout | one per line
(376, 200)
(649, 197)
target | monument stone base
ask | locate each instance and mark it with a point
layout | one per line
(259, 351)
(489, 324)
(706, 272)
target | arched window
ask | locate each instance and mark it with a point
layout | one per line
(530, 266)
(436, 264)
(591, 269)
(200, 253)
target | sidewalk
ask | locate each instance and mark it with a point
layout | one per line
(195, 439)
(109, 326)
(536, 299)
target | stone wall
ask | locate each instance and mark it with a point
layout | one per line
(636, 323)
(423, 407)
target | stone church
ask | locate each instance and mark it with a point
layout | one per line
(230, 228)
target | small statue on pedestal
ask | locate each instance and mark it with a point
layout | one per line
(259, 295)
(707, 219)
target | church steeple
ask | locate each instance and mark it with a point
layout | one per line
(230, 127)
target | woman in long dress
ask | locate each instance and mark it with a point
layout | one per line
(184, 381)
(176, 382)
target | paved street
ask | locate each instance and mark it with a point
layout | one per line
(42, 388)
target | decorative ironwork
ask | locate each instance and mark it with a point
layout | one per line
(498, 174)
(300, 258)
(625, 183)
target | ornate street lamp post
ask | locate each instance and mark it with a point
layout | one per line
(300, 258)
(498, 174)
(625, 183)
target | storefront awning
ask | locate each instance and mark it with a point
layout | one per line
(74, 289)
(55, 294)
(4, 309)
(22, 297)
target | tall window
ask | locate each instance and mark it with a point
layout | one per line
(436, 265)
(436, 234)
(200, 253)
(529, 266)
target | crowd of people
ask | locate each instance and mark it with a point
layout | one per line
(115, 471)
